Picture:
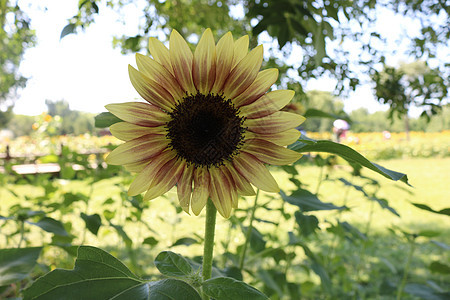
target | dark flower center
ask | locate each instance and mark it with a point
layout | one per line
(205, 130)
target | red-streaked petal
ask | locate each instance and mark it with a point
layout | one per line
(234, 186)
(281, 138)
(220, 190)
(143, 180)
(201, 190)
(139, 149)
(139, 113)
(264, 80)
(244, 188)
(224, 61)
(204, 68)
(126, 131)
(240, 49)
(165, 178)
(160, 53)
(255, 172)
(137, 167)
(184, 188)
(277, 122)
(160, 75)
(270, 153)
(150, 90)
(181, 58)
(243, 75)
(267, 104)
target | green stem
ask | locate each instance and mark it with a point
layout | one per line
(406, 270)
(210, 225)
(320, 180)
(249, 233)
(22, 233)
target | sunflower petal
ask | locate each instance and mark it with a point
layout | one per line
(240, 49)
(139, 149)
(150, 90)
(267, 104)
(270, 153)
(160, 75)
(165, 178)
(244, 188)
(181, 58)
(244, 73)
(264, 80)
(201, 190)
(139, 113)
(160, 53)
(184, 188)
(204, 68)
(126, 131)
(224, 61)
(137, 167)
(221, 190)
(281, 138)
(277, 122)
(143, 180)
(255, 172)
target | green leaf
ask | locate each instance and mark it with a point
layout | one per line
(96, 275)
(122, 234)
(105, 119)
(68, 29)
(445, 211)
(319, 45)
(346, 153)
(51, 225)
(93, 222)
(438, 267)
(150, 241)
(311, 112)
(172, 264)
(307, 201)
(225, 288)
(15, 264)
(307, 224)
(172, 289)
(185, 241)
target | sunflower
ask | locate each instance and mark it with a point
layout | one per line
(209, 126)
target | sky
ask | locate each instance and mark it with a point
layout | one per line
(87, 72)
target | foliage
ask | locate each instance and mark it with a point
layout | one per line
(16, 36)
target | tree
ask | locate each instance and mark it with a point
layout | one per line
(15, 37)
(73, 121)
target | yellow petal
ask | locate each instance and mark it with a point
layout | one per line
(267, 104)
(281, 138)
(139, 113)
(204, 69)
(160, 53)
(277, 122)
(137, 166)
(181, 59)
(150, 90)
(143, 180)
(201, 190)
(270, 153)
(224, 61)
(139, 149)
(240, 49)
(165, 178)
(264, 80)
(255, 172)
(243, 75)
(184, 188)
(126, 131)
(160, 75)
(243, 186)
(221, 190)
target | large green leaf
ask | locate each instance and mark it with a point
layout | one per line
(225, 288)
(96, 275)
(307, 201)
(312, 112)
(15, 264)
(172, 264)
(51, 225)
(307, 145)
(172, 289)
(105, 119)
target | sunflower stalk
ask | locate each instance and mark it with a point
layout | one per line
(210, 225)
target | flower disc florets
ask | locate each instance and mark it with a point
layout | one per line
(205, 130)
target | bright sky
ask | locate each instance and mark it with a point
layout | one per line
(86, 71)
